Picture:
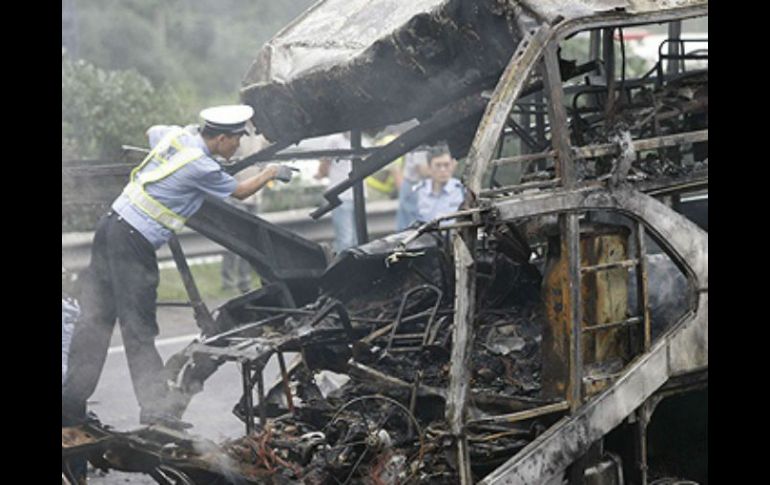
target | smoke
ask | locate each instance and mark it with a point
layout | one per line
(667, 288)
(222, 462)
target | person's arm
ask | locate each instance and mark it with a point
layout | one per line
(251, 185)
(323, 168)
(397, 174)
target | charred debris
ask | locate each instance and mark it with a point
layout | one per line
(365, 368)
(529, 336)
(365, 397)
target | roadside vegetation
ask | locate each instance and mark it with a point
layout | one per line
(207, 278)
(127, 64)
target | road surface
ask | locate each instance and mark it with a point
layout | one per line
(210, 412)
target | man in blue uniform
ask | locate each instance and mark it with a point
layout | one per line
(441, 193)
(122, 279)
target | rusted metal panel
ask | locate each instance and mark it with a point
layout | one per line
(604, 293)
(603, 299)
(556, 338)
(571, 246)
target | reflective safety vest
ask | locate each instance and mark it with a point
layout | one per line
(383, 180)
(172, 156)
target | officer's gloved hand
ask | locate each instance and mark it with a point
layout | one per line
(284, 173)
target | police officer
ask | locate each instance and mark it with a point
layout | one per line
(441, 193)
(122, 279)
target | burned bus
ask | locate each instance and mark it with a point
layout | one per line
(554, 329)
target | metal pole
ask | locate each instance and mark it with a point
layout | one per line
(248, 400)
(413, 402)
(641, 281)
(640, 430)
(594, 54)
(565, 167)
(261, 397)
(359, 201)
(608, 54)
(539, 125)
(462, 343)
(570, 232)
(526, 123)
(285, 380)
(609, 63)
(499, 107)
(202, 315)
(674, 35)
(594, 50)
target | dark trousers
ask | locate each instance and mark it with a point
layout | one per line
(121, 282)
(236, 272)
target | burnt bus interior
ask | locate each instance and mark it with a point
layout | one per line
(554, 329)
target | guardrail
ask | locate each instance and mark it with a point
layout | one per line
(380, 217)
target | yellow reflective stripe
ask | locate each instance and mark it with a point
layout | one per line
(135, 188)
(177, 161)
(160, 147)
(386, 187)
(169, 140)
(157, 211)
(383, 180)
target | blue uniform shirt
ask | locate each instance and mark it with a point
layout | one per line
(431, 206)
(183, 191)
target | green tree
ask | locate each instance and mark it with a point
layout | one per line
(199, 46)
(102, 110)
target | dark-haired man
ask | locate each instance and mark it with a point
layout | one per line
(441, 193)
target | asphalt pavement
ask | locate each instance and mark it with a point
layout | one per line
(210, 411)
